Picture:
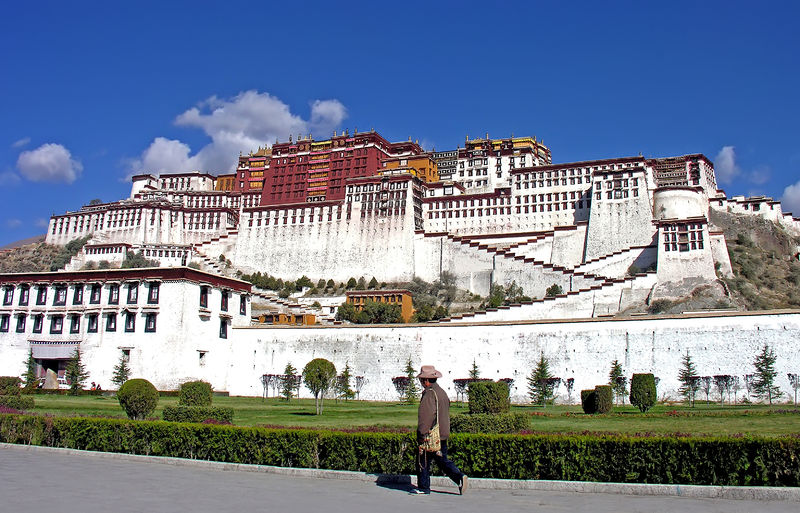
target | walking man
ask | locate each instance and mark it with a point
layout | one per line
(434, 408)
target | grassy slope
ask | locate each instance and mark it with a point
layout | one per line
(29, 258)
(709, 419)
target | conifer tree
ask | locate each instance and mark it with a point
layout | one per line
(618, 381)
(343, 388)
(76, 372)
(121, 371)
(412, 390)
(30, 378)
(539, 388)
(689, 379)
(288, 382)
(764, 382)
(474, 372)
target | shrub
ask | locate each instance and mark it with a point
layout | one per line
(603, 398)
(659, 306)
(195, 393)
(643, 391)
(18, 402)
(198, 413)
(489, 423)
(488, 397)
(10, 385)
(717, 461)
(138, 397)
(588, 401)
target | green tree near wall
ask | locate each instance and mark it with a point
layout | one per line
(343, 388)
(618, 381)
(30, 378)
(76, 373)
(474, 372)
(122, 371)
(412, 389)
(288, 382)
(689, 379)
(764, 376)
(319, 375)
(540, 387)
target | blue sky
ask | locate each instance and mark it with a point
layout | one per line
(92, 92)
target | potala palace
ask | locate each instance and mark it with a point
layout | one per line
(611, 233)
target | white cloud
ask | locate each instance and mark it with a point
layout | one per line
(13, 223)
(760, 175)
(42, 223)
(22, 142)
(790, 201)
(49, 163)
(9, 178)
(725, 165)
(239, 124)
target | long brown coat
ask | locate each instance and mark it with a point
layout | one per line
(427, 412)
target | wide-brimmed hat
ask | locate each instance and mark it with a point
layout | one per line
(430, 372)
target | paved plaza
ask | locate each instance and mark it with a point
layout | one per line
(38, 480)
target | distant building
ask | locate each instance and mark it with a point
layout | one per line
(403, 298)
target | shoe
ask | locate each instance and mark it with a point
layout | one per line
(463, 486)
(417, 491)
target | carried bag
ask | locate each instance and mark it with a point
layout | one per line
(433, 440)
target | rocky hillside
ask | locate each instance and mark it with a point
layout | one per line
(764, 260)
(39, 256)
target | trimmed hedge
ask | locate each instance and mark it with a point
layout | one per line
(197, 413)
(195, 393)
(643, 391)
(489, 423)
(720, 461)
(603, 398)
(588, 401)
(18, 402)
(10, 385)
(488, 397)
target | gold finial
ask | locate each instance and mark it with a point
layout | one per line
(290, 137)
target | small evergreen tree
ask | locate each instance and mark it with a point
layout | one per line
(76, 372)
(618, 381)
(373, 284)
(539, 388)
(764, 382)
(474, 372)
(343, 388)
(330, 285)
(688, 379)
(321, 283)
(412, 389)
(362, 284)
(794, 381)
(30, 378)
(121, 371)
(351, 284)
(553, 290)
(288, 382)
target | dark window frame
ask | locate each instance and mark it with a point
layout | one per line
(223, 328)
(5, 323)
(41, 295)
(133, 293)
(111, 322)
(150, 322)
(242, 304)
(223, 302)
(38, 323)
(77, 294)
(75, 323)
(153, 292)
(113, 294)
(24, 295)
(204, 292)
(56, 324)
(92, 323)
(96, 294)
(21, 323)
(130, 322)
(60, 295)
(8, 296)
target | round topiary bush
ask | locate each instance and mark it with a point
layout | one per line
(138, 397)
(195, 393)
(603, 398)
(643, 391)
(488, 397)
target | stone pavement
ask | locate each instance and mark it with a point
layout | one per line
(43, 479)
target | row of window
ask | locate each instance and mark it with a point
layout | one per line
(205, 290)
(95, 292)
(92, 323)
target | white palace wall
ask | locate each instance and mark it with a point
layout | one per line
(582, 350)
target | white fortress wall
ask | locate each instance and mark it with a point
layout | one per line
(621, 215)
(580, 350)
(719, 253)
(332, 247)
(568, 245)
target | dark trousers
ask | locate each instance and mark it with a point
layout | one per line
(424, 467)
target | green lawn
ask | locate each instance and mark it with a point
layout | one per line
(710, 419)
